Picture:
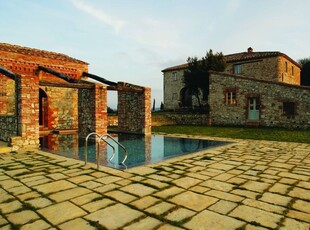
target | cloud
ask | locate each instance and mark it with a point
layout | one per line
(107, 19)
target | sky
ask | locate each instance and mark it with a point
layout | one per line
(133, 40)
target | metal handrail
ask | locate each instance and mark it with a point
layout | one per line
(97, 152)
(119, 144)
(98, 144)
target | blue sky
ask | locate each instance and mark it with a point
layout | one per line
(133, 40)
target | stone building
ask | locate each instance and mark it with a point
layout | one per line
(257, 88)
(43, 92)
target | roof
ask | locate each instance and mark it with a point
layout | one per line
(243, 56)
(40, 53)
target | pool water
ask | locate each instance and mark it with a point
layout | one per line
(141, 149)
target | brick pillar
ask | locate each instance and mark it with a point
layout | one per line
(134, 108)
(28, 112)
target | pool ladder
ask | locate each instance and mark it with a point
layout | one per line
(102, 138)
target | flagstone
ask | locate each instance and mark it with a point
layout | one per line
(69, 194)
(194, 201)
(138, 189)
(121, 196)
(114, 217)
(180, 214)
(39, 202)
(147, 223)
(218, 185)
(55, 186)
(223, 207)
(61, 212)
(255, 186)
(10, 206)
(186, 182)
(77, 224)
(23, 217)
(250, 214)
(145, 202)
(160, 208)
(169, 192)
(213, 220)
(96, 205)
(84, 199)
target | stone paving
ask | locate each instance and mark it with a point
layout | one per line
(245, 185)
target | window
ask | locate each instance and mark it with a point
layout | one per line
(292, 70)
(286, 67)
(238, 69)
(231, 98)
(175, 76)
(289, 109)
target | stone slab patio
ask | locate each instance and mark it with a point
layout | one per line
(244, 185)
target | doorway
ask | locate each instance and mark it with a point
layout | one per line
(43, 109)
(253, 108)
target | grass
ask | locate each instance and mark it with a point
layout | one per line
(271, 134)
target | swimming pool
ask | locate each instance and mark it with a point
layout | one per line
(141, 149)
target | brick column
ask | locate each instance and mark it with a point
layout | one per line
(28, 112)
(101, 116)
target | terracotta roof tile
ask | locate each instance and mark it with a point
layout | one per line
(243, 56)
(36, 52)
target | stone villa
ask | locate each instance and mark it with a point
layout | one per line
(43, 92)
(257, 88)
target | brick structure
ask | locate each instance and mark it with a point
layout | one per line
(48, 91)
(269, 66)
(134, 108)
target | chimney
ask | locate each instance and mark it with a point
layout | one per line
(250, 50)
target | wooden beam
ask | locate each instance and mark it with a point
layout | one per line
(67, 85)
(7, 73)
(100, 79)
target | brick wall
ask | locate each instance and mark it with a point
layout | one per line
(271, 97)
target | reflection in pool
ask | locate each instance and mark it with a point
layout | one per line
(141, 149)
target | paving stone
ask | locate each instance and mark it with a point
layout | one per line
(290, 224)
(156, 183)
(81, 179)
(5, 196)
(39, 202)
(224, 177)
(300, 193)
(32, 178)
(22, 217)
(169, 192)
(264, 206)
(106, 188)
(138, 190)
(57, 176)
(142, 170)
(108, 179)
(19, 190)
(147, 223)
(160, 208)
(10, 206)
(38, 182)
(255, 186)
(194, 201)
(29, 195)
(299, 215)
(304, 184)
(160, 178)
(115, 216)
(145, 202)
(77, 224)
(121, 196)
(211, 220)
(186, 182)
(90, 184)
(96, 205)
(294, 176)
(224, 195)
(197, 176)
(251, 214)
(199, 189)
(123, 182)
(279, 188)
(223, 207)
(221, 166)
(17, 172)
(275, 199)
(218, 185)
(85, 198)
(61, 212)
(2, 221)
(56, 186)
(302, 206)
(7, 184)
(180, 214)
(168, 227)
(69, 194)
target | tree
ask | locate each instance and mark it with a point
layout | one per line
(305, 71)
(196, 77)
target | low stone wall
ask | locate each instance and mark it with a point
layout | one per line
(8, 127)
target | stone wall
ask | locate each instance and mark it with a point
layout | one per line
(134, 108)
(272, 97)
(8, 127)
